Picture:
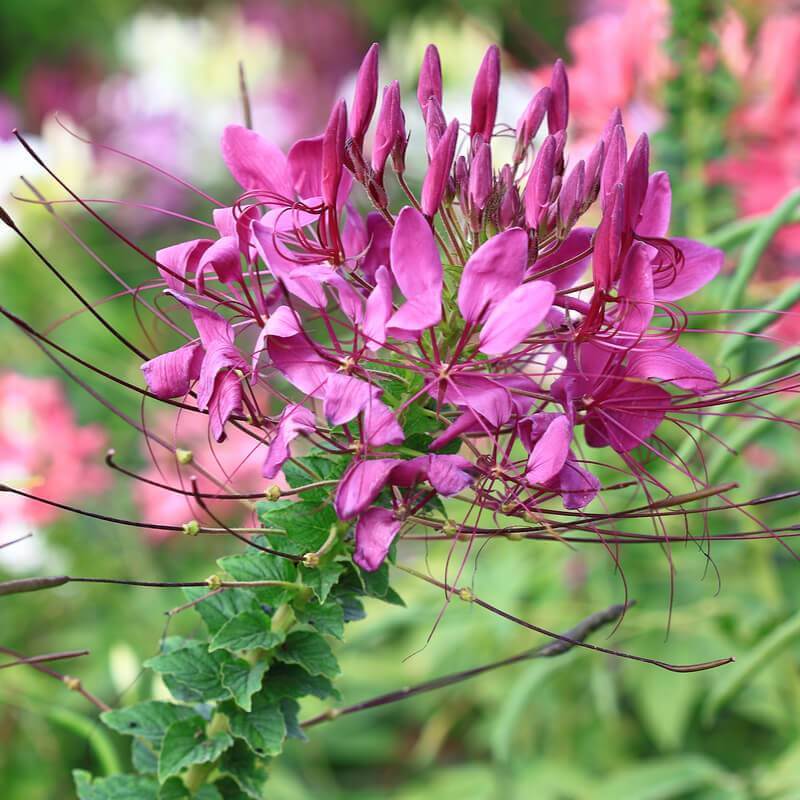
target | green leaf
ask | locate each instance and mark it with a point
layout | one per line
(149, 719)
(376, 584)
(310, 651)
(219, 608)
(174, 789)
(307, 525)
(242, 766)
(289, 680)
(117, 787)
(290, 710)
(143, 757)
(326, 618)
(323, 578)
(196, 673)
(243, 680)
(246, 631)
(257, 566)
(326, 467)
(185, 743)
(263, 728)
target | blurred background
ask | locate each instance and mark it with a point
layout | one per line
(716, 84)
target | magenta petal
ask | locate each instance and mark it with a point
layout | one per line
(635, 179)
(670, 362)
(375, 533)
(430, 78)
(515, 316)
(378, 310)
(333, 143)
(448, 474)
(481, 395)
(422, 312)
(656, 208)
(550, 453)
(346, 397)
(493, 271)
(171, 374)
(390, 129)
(700, 264)
(305, 166)
(283, 322)
(366, 95)
(578, 241)
(577, 486)
(636, 290)
(225, 401)
(254, 161)
(350, 301)
(558, 112)
(300, 364)
(294, 421)
(220, 356)
(379, 233)
(614, 164)
(224, 258)
(380, 425)
(180, 260)
(466, 422)
(537, 189)
(361, 484)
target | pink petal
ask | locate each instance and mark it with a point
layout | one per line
(179, 260)
(485, 94)
(171, 374)
(578, 241)
(636, 290)
(225, 401)
(294, 421)
(220, 356)
(435, 182)
(380, 425)
(416, 267)
(365, 96)
(375, 533)
(494, 270)
(448, 474)
(481, 395)
(361, 484)
(300, 364)
(224, 258)
(657, 207)
(421, 312)
(701, 264)
(550, 453)
(346, 397)
(283, 322)
(430, 78)
(669, 362)
(577, 486)
(380, 235)
(378, 310)
(515, 316)
(254, 161)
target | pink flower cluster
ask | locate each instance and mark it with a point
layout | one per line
(479, 311)
(44, 450)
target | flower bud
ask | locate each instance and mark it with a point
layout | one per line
(594, 169)
(570, 197)
(614, 163)
(435, 183)
(480, 177)
(537, 191)
(430, 78)
(484, 95)
(365, 96)
(390, 128)
(530, 121)
(333, 153)
(558, 111)
(435, 126)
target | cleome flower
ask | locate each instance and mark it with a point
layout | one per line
(472, 342)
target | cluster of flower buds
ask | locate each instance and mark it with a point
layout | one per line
(468, 342)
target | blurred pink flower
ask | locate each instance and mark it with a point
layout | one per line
(44, 451)
(629, 75)
(764, 164)
(236, 465)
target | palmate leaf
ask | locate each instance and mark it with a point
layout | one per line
(322, 578)
(185, 743)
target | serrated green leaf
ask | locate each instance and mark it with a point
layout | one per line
(149, 719)
(324, 617)
(185, 743)
(263, 728)
(323, 578)
(195, 670)
(116, 787)
(174, 789)
(242, 766)
(143, 757)
(217, 609)
(376, 584)
(310, 651)
(290, 710)
(324, 467)
(307, 524)
(289, 680)
(246, 631)
(257, 566)
(243, 680)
